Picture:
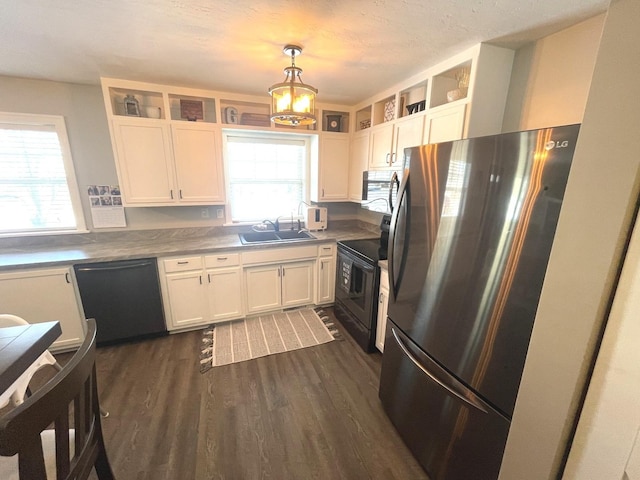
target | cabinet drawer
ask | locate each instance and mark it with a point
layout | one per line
(327, 250)
(182, 264)
(222, 260)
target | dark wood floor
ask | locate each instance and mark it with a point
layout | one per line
(308, 414)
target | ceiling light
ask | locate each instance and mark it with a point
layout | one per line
(293, 102)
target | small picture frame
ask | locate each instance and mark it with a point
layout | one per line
(334, 123)
(131, 106)
(191, 110)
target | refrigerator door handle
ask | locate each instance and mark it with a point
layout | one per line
(394, 181)
(403, 195)
(473, 401)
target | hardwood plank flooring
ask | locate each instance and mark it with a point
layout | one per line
(307, 414)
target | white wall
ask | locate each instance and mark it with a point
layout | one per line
(551, 78)
(83, 109)
(593, 226)
(611, 416)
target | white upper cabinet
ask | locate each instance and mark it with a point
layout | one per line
(358, 161)
(408, 132)
(444, 125)
(330, 169)
(166, 143)
(199, 171)
(462, 97)
(144, 161)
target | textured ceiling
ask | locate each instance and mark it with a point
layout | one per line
(352, 48)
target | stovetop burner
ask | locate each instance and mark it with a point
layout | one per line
(368, 249)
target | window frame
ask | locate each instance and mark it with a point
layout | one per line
(306, 138)
(59, 126)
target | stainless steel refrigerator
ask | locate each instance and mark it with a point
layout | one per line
(468, 249)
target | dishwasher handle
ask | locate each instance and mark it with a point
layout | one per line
(103, 268)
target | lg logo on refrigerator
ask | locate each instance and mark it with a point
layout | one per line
(551, 144)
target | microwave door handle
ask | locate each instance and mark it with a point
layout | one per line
(396, 182)
(403, 196)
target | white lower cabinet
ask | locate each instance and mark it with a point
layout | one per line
(274, 286)
(383, 304)
(225, 293)
(326, 274)
(201, 290)
(45, 295)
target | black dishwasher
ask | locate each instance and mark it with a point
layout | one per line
(124, 298)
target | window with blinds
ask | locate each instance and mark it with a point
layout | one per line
(266, 176)
(38, 192)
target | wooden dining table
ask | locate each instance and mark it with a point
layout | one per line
(21, 345)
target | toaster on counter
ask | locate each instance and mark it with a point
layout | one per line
(315, 218)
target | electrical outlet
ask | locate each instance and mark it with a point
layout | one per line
(219, 213)
(204, 213)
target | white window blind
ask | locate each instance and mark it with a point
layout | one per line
(36, 194)
(266, 176)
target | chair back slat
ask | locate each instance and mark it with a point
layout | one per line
(62, 446)
(73, 387)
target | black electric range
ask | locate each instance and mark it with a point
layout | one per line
(357, 288)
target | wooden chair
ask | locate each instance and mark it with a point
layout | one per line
(71, 394)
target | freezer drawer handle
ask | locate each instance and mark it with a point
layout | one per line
(469, 401)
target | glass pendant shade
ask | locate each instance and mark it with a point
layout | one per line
(292, 101)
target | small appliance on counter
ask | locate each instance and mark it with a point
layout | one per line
(315, 218)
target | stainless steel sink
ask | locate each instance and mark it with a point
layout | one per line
(265, 237)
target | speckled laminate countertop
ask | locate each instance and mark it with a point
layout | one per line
(103, 247)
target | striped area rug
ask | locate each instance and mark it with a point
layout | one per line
(262, 335)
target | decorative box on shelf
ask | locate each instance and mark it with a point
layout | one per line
(255, 119)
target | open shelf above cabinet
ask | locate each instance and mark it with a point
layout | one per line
(335, 121)
(192, 109)
(363, 118)
(450, 85)
(140, 103)
(384, 110)
(413, 99)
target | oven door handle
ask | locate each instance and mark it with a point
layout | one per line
(403, 198)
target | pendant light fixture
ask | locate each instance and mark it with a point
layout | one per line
(292, 101)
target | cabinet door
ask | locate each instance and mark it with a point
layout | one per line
(380, 147)
(225, 293)
(262, 287)
(334, 167)
(297, 284)
(326, 280)
(187, 299)
(144, 161)
(383, 303)
(408, 133)
(358, 158)
(445, 125)
(44, 296)
(198, 163)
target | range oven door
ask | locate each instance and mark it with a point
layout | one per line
(356, 295)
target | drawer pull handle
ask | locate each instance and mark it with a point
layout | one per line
(186, 262)
(222, 258)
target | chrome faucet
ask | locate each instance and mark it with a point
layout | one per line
(276, 225)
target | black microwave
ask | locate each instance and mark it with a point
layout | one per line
(380, 189)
